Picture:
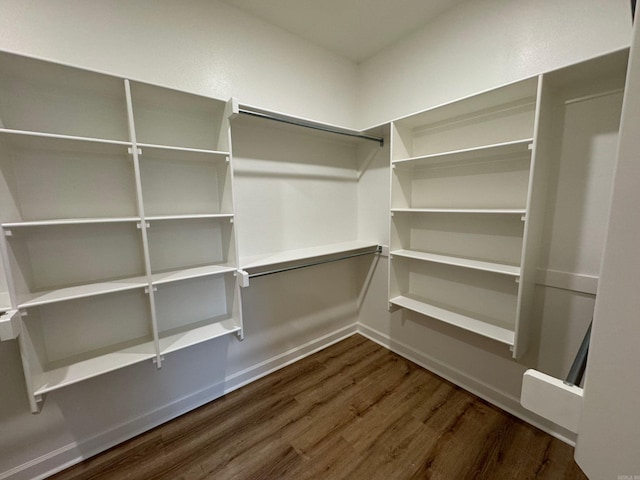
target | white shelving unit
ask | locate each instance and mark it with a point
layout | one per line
(480, 185)
(461, 187)
(116, 204)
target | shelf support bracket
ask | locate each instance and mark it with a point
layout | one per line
(9, 325)
(243, 278)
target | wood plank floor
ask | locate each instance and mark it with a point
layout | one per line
(352, 411)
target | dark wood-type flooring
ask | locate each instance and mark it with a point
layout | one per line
(352, 411)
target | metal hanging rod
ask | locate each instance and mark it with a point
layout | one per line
(313, 264)
(315, 126)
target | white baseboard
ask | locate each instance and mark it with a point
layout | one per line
(64, 457)
(500, 399)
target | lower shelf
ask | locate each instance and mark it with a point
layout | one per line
(451, 317)
(125, 354)
(201, 332)
(129, 353)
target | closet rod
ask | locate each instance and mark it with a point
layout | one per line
(315, 126)
(313, 264)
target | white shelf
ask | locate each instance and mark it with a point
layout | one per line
(25, 138)
(495, 151)
(70, 221)
(501, 211)
(194, 334)
(460, 262)
(189, 216)
(84, 369)
(196, 272)
(258, 261)
(82, 291)
(480, 327)
(166, 150)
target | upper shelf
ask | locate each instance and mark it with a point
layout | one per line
(493, 267)
(39, 96)
(174, 119)
(304, 254)
(505, 150)
(322, 129)
(70, 221)
(492, 211)
(166, 152)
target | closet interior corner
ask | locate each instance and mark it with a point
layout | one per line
(132, 211)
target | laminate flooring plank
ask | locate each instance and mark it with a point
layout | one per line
(351, 411)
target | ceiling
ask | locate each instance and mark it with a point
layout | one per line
(354, 29)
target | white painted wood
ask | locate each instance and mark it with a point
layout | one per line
(177, 275)
(497, 116)
(459, 262)
(53, 177)
(69, 221)
(194, 184)
(60, 377)
(498, 183)
(208, 330)
(568, 281)
(9, 325)
(481, 154)
(465, 159)
(490, 238)
(451, 317)
(183, 243)
(300, 188)
(305, 254)
(81, 291)
(67, 342)
(497, 211)
(45, 97)
(176, 119)
(552, 399)
(51, 257)
(78, 198)
(195, 310)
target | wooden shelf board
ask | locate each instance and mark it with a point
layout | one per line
(507, 211)
(27, 136)
(496, 150)
(187, 216)
(92, 367)
(460, 262)
(194, 334)
(70, 221)
(304, 254)
(195, 272)
(465, 322)
(82, 291)
(168, 148)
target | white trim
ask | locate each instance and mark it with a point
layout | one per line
(575, 282)
(500, 399)
(75, 452)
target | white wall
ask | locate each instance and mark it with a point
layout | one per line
(483, 44)
(203, 46)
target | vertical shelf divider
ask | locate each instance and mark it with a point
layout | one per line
(225, 143)
(143, 223)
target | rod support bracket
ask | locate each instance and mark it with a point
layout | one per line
(243, 278)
